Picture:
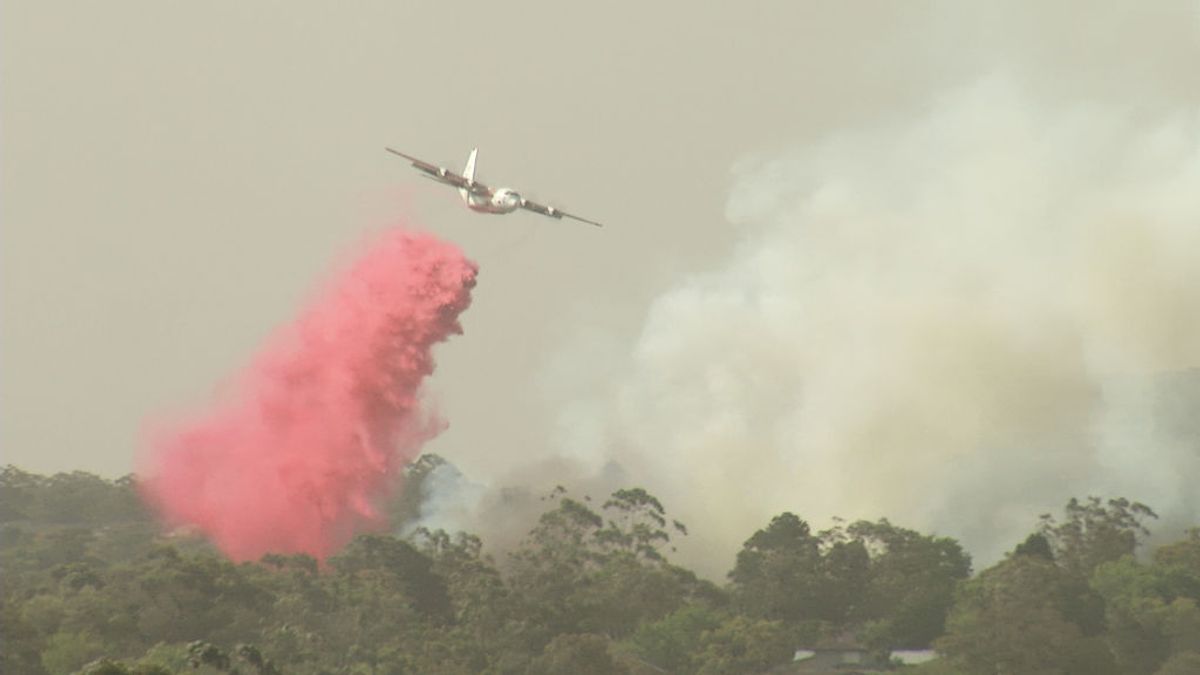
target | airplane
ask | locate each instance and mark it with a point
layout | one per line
(481, 198)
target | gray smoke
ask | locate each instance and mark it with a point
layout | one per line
(956, 322)
(957, 312)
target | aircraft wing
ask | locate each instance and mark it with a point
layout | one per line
(444, 175)
(553, 212)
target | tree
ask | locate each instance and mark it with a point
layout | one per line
(202, 653)
(1095, 532)
(1011, 620)
(846, 577)
(67, 651)
(169, 597)
(405, 507)
(778, 574)
(107, 666)
(577, 573)
(1183, 663)
(590, 590)
(19, 492)
(1092, 533)
(898, 581)
(672, 642)
(1134, 613)
(1184, 554)
(1036, 545)
(554, 567)
(486, 628)
(637, 524)
(744, 645)
(22, 642)
(399, 566)
(582, 654)
(910, 582)
(1150, 610)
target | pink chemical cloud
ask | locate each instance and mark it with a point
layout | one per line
(315, 432)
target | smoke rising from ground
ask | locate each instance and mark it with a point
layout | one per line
(315, 432)
(956, 322)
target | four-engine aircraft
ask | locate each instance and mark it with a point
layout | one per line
(480, 197)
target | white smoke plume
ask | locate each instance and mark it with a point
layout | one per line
(956, 322)
(449, 500)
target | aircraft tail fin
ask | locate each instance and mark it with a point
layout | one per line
(469, 172)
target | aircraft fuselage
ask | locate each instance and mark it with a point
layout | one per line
(503, 200)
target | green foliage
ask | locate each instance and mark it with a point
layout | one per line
(487, 630)
(1073, 599)
(1095, 532)
(67, 651)
(22, 641)
(910, 582)
(579, 573)
(743, 645)
(244, 657)
(406, 507)
(897, 581)
(398, 567)
(1012, 619)
(671, 642)
(778, 572)
(91, 585)
(76, 498)
(1183, 663)
(934, 667)
(1151, 612)
(107, 666)
(585, 654)
(637, 525)
(1184, 554)
(1036, 545)
(172, 658)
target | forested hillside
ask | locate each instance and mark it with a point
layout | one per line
(92, 582)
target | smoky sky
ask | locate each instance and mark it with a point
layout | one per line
(176, 179)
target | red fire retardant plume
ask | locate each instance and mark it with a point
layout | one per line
(318, 427)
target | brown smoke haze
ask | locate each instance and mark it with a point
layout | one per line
(954, 323)
(931, 260)
(957, 321)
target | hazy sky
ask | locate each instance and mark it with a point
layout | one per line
(177, 177)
